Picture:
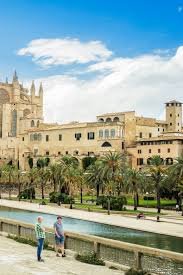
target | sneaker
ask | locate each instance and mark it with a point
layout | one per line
(41, 260)
(63, 255)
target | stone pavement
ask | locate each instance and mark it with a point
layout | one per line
(171, 227)
(17, 259)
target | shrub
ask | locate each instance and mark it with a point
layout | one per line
(91, 258)
(116, 203)
(132, 271)
(60, 198)
(27, 193)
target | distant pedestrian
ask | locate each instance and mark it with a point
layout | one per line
(177, 208)
(59, 237)
(40, 235)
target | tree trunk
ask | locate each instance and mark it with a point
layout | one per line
(108, 206)
(42, 190)
(54, 186)
(81, 194)
(98, 190)
(158, 202)
(135, 201)
(19, 190)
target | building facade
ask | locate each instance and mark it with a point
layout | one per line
(24, 134)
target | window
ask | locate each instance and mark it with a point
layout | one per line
(106, 133)
(77, 136)
(178, 115)
(91, 135)
(100, 133)
(39, 137)
(149, 151)
(60, 137)
(168, 150)
(35, 136)
(140, 161)
(23, 139)
(159, 150)
(113, 133)
(47, 137)
(32, 123)
(47, 153)
(38, 124)
(150, 135)
(170, 115)
(66, 152)
(158, 129)
(140, 135)
(106, 144)
(178, 123)
(122, 145)
(108, 119)
(139, 151)
(170, 124)
(116, 119)
(59, 153)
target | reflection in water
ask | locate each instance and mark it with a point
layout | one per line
(102, 230)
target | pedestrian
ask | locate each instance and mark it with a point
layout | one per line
(177, 208)
(40, 235)
(59, 237)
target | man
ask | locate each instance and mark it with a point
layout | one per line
(59, 237)
(40, 235)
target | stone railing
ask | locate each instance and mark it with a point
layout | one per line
(126, 254)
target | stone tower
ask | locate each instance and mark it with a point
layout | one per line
(174, 116)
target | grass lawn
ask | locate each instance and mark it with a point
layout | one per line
(152, 203)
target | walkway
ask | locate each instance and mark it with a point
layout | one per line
(171, 227)
(17, 259)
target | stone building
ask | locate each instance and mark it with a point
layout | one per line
(24, 134)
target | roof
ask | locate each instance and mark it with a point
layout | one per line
(115, 113)
(173, 101)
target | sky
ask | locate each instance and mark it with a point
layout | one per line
(95, 56)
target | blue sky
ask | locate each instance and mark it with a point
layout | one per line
(128, 29)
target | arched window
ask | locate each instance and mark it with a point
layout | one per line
(116, 119)
(32, 123)
(106, 144)
(39, 137)
(112, 133)
(14, 123)
(106, 133)
(38, 124)
(100, 133)
(31, 137)
(35, 136)
(108, 119)
(101, 120)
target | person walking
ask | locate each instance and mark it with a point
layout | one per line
(59, 237)
(40, 235)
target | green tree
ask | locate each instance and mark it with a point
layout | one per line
(93, 176)
(176, 178)
(134, 184)
(43, 174)
(157, 177)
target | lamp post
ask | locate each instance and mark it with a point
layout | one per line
(147, 198)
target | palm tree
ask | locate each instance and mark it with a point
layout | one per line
(71, 173)
(176, 177)
(9, 174)
(157, 177)
(55, 173)
(32, 176)
(93, 176)
(134, 183)
(110, 169)
(43, 174)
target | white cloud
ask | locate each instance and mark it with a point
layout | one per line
(142, 83)
(49, 52)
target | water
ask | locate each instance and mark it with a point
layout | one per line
(102, 230)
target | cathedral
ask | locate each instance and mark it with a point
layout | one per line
(24, 134)
(20, 109)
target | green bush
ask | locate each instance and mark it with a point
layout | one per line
(116, 203)
(132, 271)
(60, 198)
(27, 193)
(91, 258)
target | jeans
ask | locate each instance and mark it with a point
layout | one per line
(40, 248)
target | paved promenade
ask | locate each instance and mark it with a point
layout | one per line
(171, 227)
(17, 259)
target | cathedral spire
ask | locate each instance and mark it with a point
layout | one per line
(40, 89)
(15, 77)
(33, 89)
